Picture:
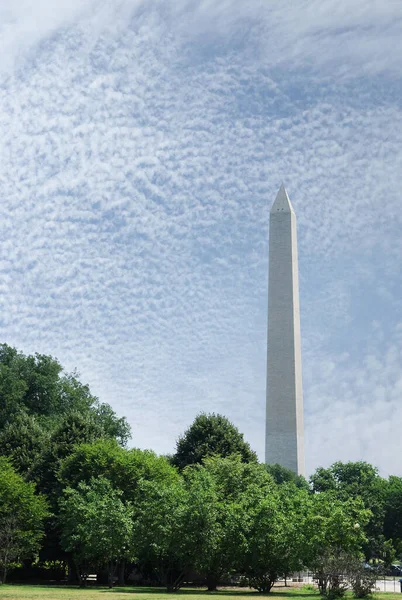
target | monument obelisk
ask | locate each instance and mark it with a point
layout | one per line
(284, 438)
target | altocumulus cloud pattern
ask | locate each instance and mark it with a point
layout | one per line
(142, 144)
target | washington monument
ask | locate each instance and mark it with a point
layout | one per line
(284, 438)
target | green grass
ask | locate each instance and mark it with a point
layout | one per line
(41, 592)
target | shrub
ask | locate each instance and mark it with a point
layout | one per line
(362, 580)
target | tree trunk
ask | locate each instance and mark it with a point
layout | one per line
(71, 571)
(122, 567)
(212, 581)
(110, 574)
(176, 584)
(81, 580)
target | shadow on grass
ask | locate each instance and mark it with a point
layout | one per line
(161, 591)
(286, 592)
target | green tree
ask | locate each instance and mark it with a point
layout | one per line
(28, 383)
(173, 524)
(22, 514)
(275, 541)
(96, 526)
(23, 440)
(221, 554)
(72, 429)
(159, 536)
(393, 512)
(12, 386)
(209, 435)
(122, 467)
(335, 534)
(36, 385)
(113, 426)
(358, 480)
(283, 475)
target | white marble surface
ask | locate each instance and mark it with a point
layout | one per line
(284, 442)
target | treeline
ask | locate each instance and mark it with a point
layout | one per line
(75, 499)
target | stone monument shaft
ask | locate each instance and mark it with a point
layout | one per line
(284, 439)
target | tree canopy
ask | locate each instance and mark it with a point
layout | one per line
(36, 385)
(358, 480)
(96, 526)
(211, 435)
(22, 515)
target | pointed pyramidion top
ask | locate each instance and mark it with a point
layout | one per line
(282, 203)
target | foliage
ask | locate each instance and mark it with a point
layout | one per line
(331, 575)
(335, 533)
(123, 468)
(209, 435)
(23, 440)
(358, 480)
(37, 386)
(45, 412)
(159, 533)
(96, 526)
(22, 514)
(72, 429)
(232, 479)
(393, 512)
(113, 427)
(283, 475)
(275, 536)
(336, 523)
(177, 524)
(341, 570)
(361, 580)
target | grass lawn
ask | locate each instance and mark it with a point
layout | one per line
(40, 592)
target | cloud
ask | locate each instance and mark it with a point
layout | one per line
(142, 145)
(309, 34)
(357, 416)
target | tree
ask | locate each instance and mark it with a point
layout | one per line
(275, 539)
(96, 526)
(221, 554)
(28, 383)
(12, 387)
(174, 523)
(283, 475)
(209, 435)
(23, 440)
(114, 427)
(159, 536)
(37, 386)
(335, 535)
(72, 429)
(22, 514)
(123, 468)
(393, 512)
(358, 480)
(44, 414)
(361, 579)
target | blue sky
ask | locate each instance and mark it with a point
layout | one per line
(142, 145)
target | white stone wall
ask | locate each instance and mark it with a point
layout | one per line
(284, 424)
